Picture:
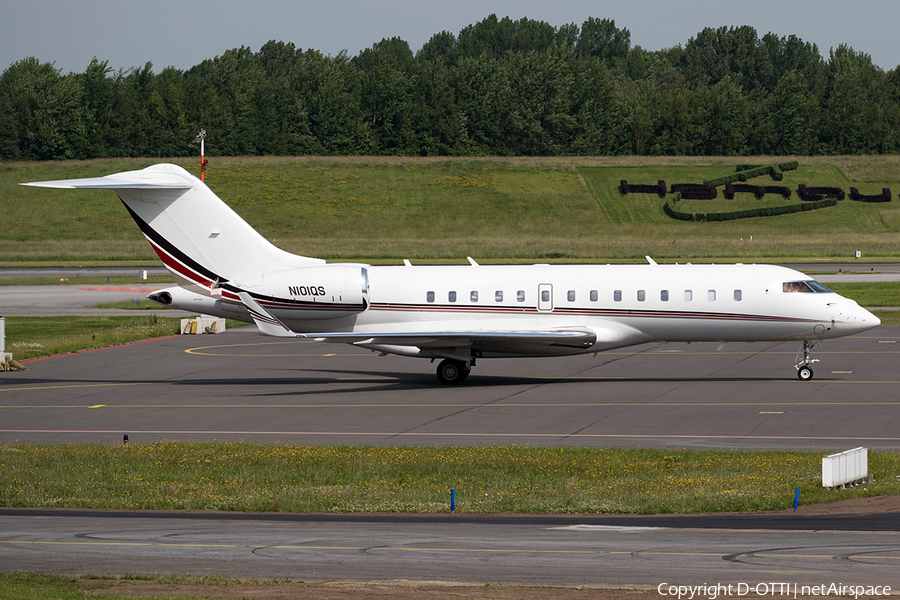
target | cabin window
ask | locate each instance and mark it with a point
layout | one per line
(737, 295)
(571, 295)
(520, 296)
(429, 296)
(664, 295)
(545, 295)
(451, 296)
(642, 295)
(617, 296)
(711, 295)
(498, 296)
(473, 296)
(688, 295)
(595, 295)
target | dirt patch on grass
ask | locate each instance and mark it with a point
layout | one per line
(364, 590)
(872, 504)
(394, 590)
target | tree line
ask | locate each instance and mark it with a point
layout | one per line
(499, 87)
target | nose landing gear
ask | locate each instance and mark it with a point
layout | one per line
(804, 370)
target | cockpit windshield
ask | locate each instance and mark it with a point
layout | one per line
(804, 287)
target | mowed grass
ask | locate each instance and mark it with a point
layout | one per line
(31, 337)
(875, 293)
(492, 479)
(42, 586)
(492, 209)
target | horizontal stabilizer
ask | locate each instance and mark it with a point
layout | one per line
(158, 177)
(265, 321)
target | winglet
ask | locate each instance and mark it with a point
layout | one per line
(265, 321)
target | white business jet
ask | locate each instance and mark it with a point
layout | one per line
(460, 314)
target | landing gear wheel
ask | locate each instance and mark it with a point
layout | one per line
(804, 370)
(451, 372)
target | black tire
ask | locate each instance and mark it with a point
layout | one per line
(451, 372)
(805, 373)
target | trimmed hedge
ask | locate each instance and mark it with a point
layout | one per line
(671, 210)
(884, 196)
(634, 188)
(745, 172)
(758, 190)
(814, 194)
(695, 191)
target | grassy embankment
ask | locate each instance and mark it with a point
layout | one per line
(496, 210)
(263, 477)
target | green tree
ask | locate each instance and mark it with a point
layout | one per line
(50, 117)
(793, 113)
(726, 52)
(726, 116)
(387, 84)
(602, 39)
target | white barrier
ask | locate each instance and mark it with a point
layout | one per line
(845, 467)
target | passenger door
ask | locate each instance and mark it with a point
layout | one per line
(545, 297)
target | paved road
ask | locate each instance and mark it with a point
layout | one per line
(525, 549)
(24, 272)
(77, 300)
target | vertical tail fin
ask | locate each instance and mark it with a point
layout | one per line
(200, 239)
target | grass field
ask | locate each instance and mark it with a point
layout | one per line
(30, 337)
(492, 479)
(493, 209)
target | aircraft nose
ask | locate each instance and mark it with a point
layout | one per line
(871, 319)
(855, 318)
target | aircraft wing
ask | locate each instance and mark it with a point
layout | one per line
(493, 341)
(568, 337)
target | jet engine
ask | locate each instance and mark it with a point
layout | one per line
(321, 292)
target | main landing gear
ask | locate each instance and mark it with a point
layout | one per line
(804, 371)
(451, 372)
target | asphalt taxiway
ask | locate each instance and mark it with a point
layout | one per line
(571, 550)
(240, 386)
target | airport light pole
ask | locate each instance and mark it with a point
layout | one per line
(201, 138)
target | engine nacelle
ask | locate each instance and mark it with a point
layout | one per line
(324, 292)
